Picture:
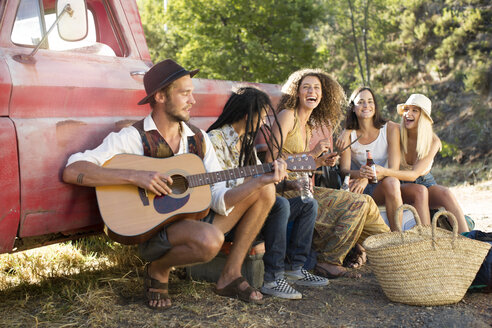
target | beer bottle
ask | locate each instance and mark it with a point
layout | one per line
(304, 180)
(346, 183)
(370, 162)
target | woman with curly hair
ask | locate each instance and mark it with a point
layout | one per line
(312, 99)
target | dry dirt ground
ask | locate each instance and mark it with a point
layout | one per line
(117, 300)
(476, 201)
(345, 303)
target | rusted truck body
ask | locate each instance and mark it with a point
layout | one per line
(66, 98)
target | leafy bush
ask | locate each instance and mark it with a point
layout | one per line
(448, 149)
(477, 79)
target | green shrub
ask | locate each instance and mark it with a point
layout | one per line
(448, 149)
(476, 78)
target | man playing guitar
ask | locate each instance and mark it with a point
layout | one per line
(165, 133)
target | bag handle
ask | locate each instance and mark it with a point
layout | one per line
(399, 218)
(399, 215)
(454, 223)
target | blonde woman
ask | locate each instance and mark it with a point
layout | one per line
(312, 99)
(370, 131)
(419, 146)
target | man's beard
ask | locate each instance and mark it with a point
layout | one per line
(172, 113)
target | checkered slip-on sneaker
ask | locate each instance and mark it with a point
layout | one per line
(303, 278)
(280, 288)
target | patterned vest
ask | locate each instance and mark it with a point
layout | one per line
(155, 145)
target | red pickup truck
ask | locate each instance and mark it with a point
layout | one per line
(58, 97)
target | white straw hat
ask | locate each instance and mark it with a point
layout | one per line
(419, 100)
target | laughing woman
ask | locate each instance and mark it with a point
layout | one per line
(312, 99)
(419, 147)
(365, 126)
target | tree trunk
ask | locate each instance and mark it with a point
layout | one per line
(354, 38)
(364, 31)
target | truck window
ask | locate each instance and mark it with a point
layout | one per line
(35, 17)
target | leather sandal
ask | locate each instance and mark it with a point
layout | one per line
(319, 270)
(151, 283)
(232, 290)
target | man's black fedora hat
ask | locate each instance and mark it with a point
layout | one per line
(161, 75)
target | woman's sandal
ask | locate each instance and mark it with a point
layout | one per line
(232, 290)
(319, 270)
(151, 283)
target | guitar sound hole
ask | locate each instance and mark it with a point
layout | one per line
(180, 184)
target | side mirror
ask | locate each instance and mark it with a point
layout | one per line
(74, 26)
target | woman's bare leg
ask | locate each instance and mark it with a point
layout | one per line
(417, 196)
(388, 193)
(440, 196)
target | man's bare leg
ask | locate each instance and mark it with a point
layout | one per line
(193, 242)
(251, 214)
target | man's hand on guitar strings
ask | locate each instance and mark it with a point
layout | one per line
(155, 182)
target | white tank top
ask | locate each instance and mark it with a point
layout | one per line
(378, 148)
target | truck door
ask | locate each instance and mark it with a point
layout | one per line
(9, 170)
(66, 100)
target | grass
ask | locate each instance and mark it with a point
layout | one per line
(95, 282)
(456, 174)
(66, 284)
(96, 253)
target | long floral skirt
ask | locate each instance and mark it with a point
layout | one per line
(344, 218)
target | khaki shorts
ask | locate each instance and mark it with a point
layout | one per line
(155, 248)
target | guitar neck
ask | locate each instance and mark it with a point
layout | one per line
(201, 179)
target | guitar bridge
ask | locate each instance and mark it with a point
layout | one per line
(144, 197)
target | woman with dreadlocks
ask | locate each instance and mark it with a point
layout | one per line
(312, 99)
(233, 136)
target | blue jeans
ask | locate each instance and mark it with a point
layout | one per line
(280, 254)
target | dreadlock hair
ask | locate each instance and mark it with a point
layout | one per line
(248, 102)
(329, 110)
(351, 121)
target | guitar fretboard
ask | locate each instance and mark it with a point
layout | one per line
(201, 179)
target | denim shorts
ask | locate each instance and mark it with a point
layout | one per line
(426, 180)
(159, 244)
(369, 190)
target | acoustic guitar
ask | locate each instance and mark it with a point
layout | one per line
(132, 215)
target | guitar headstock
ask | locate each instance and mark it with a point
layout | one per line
(300, 163)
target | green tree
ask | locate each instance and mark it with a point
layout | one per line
(152, 16)
(244, 40)
(351, 39)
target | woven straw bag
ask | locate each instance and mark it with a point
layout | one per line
(425, 265)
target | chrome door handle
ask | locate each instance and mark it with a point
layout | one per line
(137, 73)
